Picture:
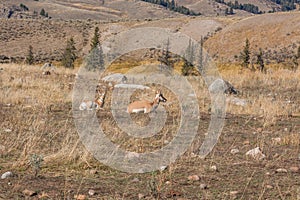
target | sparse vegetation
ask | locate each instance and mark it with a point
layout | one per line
(30, 57)
(245, 54)
(172, 5)
(69, 56)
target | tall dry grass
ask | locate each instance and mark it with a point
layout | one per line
(36, 116)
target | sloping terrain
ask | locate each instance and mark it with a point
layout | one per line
(276, 34)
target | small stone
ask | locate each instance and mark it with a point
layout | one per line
(93, 171)
(194, 178)
(7, 130)
(285, 129)
(135, 180)
(141, 196)
(281, 170)
(233, 193)
(247, 142)
(234, 151)
(162, 168)
(168, 182)
(294, 169)
(80, 197)
(256, 154)
(203, 186)
(29, 193)
(92, 192)
(269, 186)
(6, 175)
(213, 168)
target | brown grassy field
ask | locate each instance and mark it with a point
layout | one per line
(36, 119)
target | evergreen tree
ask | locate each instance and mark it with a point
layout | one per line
(29, 58)
(43, 12)
(187, 68)
(69, 55)
(95, 59)
(165, 58)
(95, 40)
(260, 61)
(245, 54)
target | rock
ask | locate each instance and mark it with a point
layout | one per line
(135, 180)
(133, 86)
(256, 154)
(233, 193)
(203, 186)
(269, 186)
(141, 196)
(246, 142)
(234, 151)
(6, 175)
(92, 192)
(237, 101)
(7, 130)
(281, 170)
(213, 168)
(162, 168)
(29, 193)
(118, 78)
(93, 171)
(193, 178)
(80, 197)
(294, 169)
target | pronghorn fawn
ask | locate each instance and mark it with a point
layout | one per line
(93, 105)
(146, 106)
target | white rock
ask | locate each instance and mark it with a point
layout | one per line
(193, 178)
(281, 170)
(203, 186)
(118, 78)
(6, 175)
(213, 168)
(133, 86)
(256, 154)
(234, 151)
(92, 192)
(237, 101)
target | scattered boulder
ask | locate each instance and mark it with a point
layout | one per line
(203, 186)
(281, 170)
(133, 86)
(6, 175)
(256, 154)
(29, 193)
(92, 192)
(237, 101)
(234, 151)
(117, 78)
(193, 178)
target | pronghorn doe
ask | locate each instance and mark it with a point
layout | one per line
(146, 106)
(93, 105)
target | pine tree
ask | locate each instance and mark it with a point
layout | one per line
(69, 55)
(29, 58)
(165, 58)
(260, 61)
(43, 12)
(188, 62)
(95, 40)
(245, 54)
(95, 59)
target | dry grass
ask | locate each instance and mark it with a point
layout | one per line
(36, 118)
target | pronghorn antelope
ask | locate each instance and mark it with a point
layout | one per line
(93, 105)
(146, 106)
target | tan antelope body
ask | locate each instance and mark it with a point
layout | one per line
(146, 106)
